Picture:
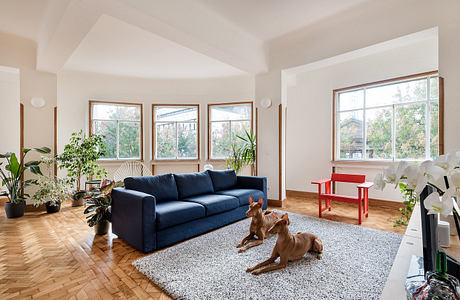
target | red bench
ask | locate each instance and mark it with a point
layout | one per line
(328, 196)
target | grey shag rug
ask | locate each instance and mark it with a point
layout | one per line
(355, 264)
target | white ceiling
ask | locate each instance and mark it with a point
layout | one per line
(268, 19)
(118, 48)
(22, 18)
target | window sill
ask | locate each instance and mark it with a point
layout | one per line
(156, 161)
(363, 163)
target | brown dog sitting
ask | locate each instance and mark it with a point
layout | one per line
(261, 222)
(288, 247)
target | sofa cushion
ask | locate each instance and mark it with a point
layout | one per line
(243, 195)
(192, 184)
(223, 179)
(215, 203)
(172, 213)
(163, 187)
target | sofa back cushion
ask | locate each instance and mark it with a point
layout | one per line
(223, 179)
(192, 184)
(163, 187)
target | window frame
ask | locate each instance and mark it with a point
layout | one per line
(154, 134)
(335, 99)
(251, 121)
(141, 121)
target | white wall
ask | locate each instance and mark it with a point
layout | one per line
(367, 24)
(309, 122)
(20, 53)
(9, 100)
(75, 89)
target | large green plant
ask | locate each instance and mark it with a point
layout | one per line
(80, 157)
(11, 176)
(248, 150)
(234, 161)
(51, 188)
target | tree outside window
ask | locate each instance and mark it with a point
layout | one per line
(176, 132)
(226, 121)
(121, 126)
(391, 121)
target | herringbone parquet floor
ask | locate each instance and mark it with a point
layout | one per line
(57, 256)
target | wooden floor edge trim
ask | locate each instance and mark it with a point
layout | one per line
(372, 201)
(277, 203)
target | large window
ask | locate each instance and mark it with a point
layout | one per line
(226, 121)
(176, 132)
(393, 120)
(121, 126)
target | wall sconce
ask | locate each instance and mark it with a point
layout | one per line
(266, 102)
(37, 102)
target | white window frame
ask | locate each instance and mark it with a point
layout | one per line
(428, 102)
(210, 157)
(154, 136)
(140, 122)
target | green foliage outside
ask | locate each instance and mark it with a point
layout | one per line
(80, 157)
(410, 125)
(166, 140)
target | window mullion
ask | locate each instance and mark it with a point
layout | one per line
(393, 133)
(364, 135)
(428, 121)
(177, 142)
(118, 139)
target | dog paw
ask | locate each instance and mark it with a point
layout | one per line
(239, 245)
(249, 269)
(241, 250)
(256, 272)
(319, 256)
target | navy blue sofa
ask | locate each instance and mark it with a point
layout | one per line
(152, 212)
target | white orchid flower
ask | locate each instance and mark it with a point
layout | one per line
(454, 180)
(379, 182)
(435, 204)
(400, 171)
(390, 174)
(434, 172)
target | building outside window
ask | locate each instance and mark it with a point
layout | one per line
(226, 121)
(176, 132)
(121, 126)
(394, 120)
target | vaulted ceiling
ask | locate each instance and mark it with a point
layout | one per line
(160, 38)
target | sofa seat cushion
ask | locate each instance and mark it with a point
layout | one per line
(243, 195)
(173, 213)
(192, 184)
(162, 187)
(223, 179)
(215, 203)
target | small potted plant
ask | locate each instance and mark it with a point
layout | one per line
(12, 177)
(80, 159)
(100, 206)
(52, 191)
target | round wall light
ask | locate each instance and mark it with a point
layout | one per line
(37, 102)
(266, 102)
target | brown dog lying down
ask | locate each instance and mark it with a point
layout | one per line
(261, 222)
(288, 247)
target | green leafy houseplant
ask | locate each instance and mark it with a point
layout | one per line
(80, 159)
(248, 150)
(234, 161)
(52, 190)
(11, 177)
(99, 206)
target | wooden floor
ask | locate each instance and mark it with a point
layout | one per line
(57, 256)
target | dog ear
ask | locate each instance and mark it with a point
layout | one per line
(261, 201)
(251, 200)
(286, 219)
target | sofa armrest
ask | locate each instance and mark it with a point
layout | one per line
(133, 218)
(253, 182)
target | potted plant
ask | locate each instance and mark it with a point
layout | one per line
(99, 205)
(12, 178)
(80, 159)
(234, 161)
(52, 191)
(248, 150)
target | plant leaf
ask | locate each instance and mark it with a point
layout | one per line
(42, 150)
